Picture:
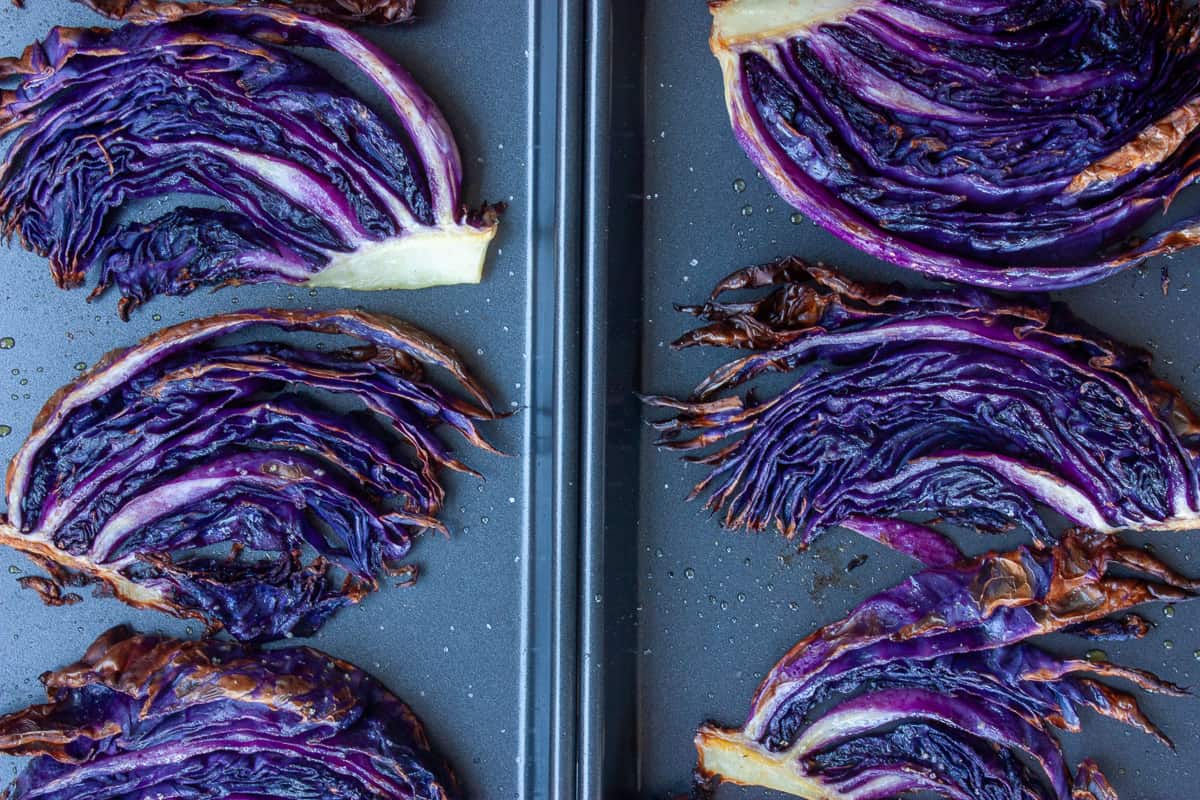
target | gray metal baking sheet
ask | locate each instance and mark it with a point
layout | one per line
(683, 618)
(471, 647)
(679, 619)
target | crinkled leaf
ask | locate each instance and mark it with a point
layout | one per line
(187, 443)
(375, 12)
(312, 185)
(954, 403)
(1016, 144)
(142, 717)
(933, 685)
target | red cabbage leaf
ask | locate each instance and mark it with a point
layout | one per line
(191, 474)
(1015, 144)
(143, 717)
(374, 12)
(933, 685)
(311, 185)
(951, 403)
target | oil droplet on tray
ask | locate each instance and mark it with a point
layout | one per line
(1096, 656)
(8, 343)
(797, 218)
(747, 210)
(739, 185)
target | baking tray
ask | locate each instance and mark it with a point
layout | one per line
(473, 647)
(682, 619)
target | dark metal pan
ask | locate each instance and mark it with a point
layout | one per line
(682, 619)
(475, 646)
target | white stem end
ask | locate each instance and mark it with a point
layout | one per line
(740, 21)
(420, 259)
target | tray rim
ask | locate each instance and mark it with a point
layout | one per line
(549, 657)
(552, 31)
(612, 234)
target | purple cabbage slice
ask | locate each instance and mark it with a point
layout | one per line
(947, 403)
(311, 185)
(1017, 144)
(374, 12)
(143, 717)
(934, 685)
(255, 485)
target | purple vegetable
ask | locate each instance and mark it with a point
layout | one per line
(312, 186)
(375, 12)
(193, 475)
(1015, 144)
(953, 403)
(144, 717)
(932, 685)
